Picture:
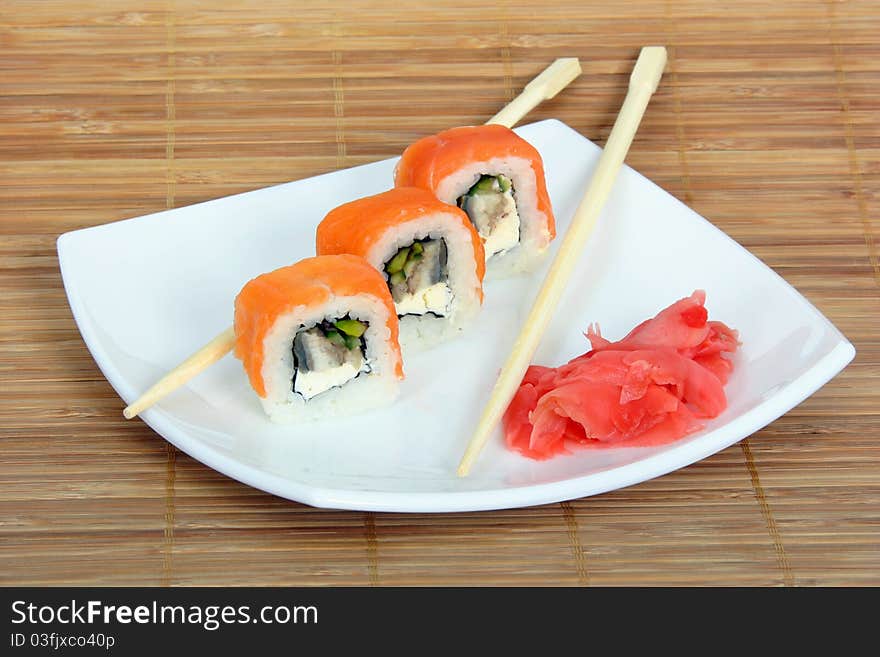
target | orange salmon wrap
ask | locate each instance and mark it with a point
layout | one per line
(273, 308)
(431, 307)
(449, 164)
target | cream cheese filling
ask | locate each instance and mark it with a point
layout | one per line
(435, 298)
(313, 382)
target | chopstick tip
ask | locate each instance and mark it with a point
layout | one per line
(649, 68)
(574, 62)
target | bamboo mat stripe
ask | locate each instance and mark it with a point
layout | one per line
(767, 513)
(766, 122)
(372, 548)
(577, 551)
(168, 546)
(688, 196)
(854, 167)
(170, 113)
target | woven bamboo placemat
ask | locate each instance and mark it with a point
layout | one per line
(767, 122)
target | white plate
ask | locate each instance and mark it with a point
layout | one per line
(146, 292)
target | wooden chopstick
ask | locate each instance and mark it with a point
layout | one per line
(545, 86)
(642, 84)
(195, 364)
(554, 79)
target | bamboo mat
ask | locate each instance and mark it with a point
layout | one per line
(767, 122)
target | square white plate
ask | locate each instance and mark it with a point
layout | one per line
(147, 292)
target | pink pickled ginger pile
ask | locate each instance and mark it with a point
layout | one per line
(654, 386)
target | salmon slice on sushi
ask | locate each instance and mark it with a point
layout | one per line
(497, 178)
(428, 254)
(319, 338)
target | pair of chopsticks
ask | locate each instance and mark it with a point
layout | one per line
(643, 83)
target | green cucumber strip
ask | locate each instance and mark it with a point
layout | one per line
(397, 277)
(351, 327)
(336, 338)
(351, 341)
(484, 184)
(504, 183)
(398, 261)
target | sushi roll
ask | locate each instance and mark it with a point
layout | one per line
(319, 338)
(497, 178)
(429, 255)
